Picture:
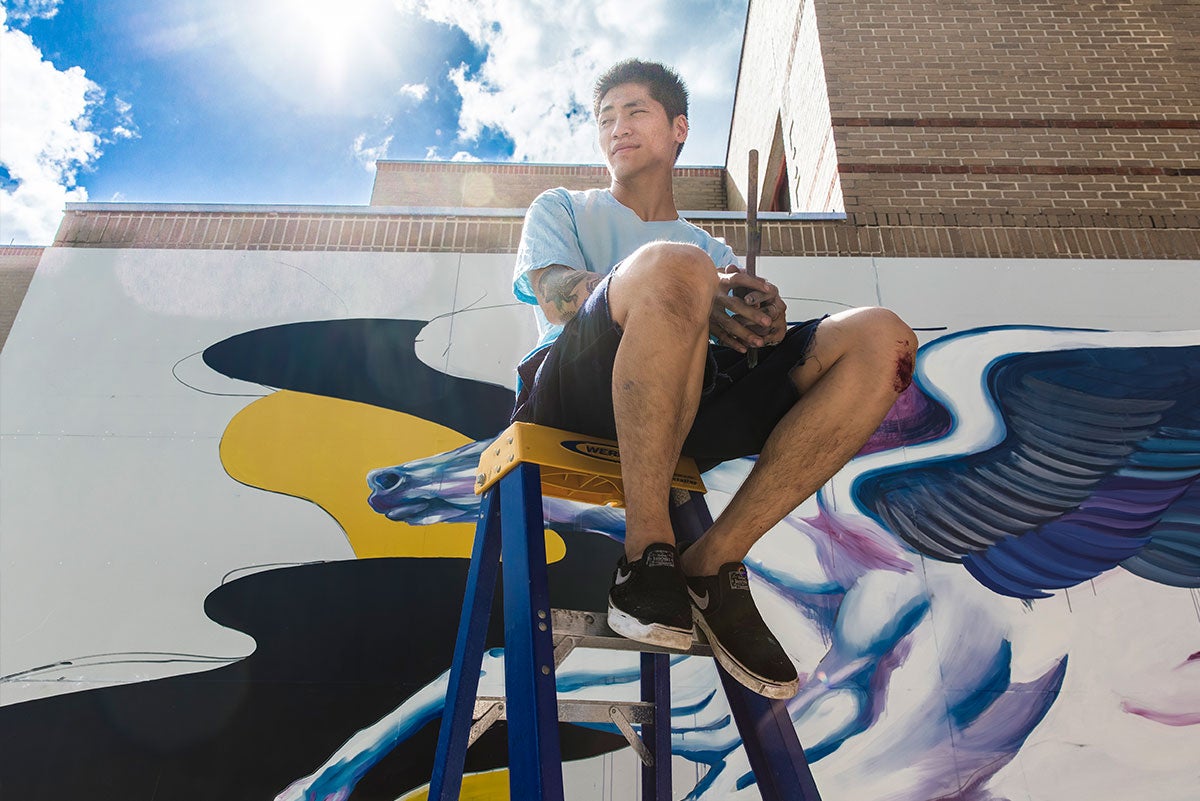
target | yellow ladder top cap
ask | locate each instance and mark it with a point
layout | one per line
(573, 466)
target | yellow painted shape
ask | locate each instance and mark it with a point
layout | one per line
(490, 786)
(321, 449)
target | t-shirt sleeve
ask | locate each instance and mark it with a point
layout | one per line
(548, 237)
(722, 255)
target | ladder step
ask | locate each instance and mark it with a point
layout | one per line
(590, 630)
(570, 711)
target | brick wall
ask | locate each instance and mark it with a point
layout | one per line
(1018, 107)
(283, 230)
(514, 186)
(16, 271)
(782, 109)
(866, 234)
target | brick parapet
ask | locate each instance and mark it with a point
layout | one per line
(380, 232)
(507, 185)
(980, 232)
(17, 265)
(526, 168)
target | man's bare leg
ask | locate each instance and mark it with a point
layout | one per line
(860, 361)
(661, 297)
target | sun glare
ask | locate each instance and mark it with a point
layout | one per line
(317, 52)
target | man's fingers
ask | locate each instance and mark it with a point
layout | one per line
(748, 312)
(729, 331)
(752, 315)
(743, 281)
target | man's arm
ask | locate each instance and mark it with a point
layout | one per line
(561, 291)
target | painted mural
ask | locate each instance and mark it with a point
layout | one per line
(237, 501)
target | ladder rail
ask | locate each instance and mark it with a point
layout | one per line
(538, 638)
(534, 753)
(768, 734)
(463, 685)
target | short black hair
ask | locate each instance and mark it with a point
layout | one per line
(663, 84)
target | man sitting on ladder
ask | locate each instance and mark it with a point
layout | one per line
(628, 295)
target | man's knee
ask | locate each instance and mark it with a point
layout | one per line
(874, 337)
(884, 324)
(679, 278)
(885, 333)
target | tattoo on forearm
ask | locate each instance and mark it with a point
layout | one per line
(560, 288)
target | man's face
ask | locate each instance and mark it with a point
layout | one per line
(634, 131)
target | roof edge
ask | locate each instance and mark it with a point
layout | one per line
(412, 211)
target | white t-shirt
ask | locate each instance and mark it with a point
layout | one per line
(592, 231)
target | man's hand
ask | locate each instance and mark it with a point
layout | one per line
(759, 314)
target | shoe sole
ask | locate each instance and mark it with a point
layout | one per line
(751, 681)
(651, 633)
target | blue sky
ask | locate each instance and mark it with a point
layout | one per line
(291, 101)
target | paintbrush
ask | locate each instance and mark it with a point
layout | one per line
(753, 235)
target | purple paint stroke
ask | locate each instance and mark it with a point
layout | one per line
(857, 541)
(881, 679)
(914, 418)
(1171, 709)
(1122, 506)
(1158, 716)
(1112, 526)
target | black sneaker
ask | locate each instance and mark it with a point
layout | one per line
(724, 610)
(648, 601)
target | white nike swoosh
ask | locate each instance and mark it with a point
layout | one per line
(622, 578)
(700, 600)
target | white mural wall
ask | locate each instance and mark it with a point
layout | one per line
(197, 598)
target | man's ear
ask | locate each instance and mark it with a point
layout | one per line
(680, 127)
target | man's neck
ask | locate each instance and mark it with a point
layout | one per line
(650, 198)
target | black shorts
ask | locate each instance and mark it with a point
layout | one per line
(568, 384)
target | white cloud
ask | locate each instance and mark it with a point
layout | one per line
(414, 91)
(124, 127)
(45, 137)
(367, 155)
(542, 57)
(20, 11)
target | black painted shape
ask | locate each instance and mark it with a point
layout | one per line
(366, 360)
(339, 645)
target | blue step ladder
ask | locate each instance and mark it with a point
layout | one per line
(523, 463)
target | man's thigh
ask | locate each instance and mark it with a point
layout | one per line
(569, 384)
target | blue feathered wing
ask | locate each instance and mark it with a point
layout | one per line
(1097, 467)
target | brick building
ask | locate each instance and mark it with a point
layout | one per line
(887, 128)
(1066, 129)
(193, 396)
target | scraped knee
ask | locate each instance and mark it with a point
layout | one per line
(900, 341)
